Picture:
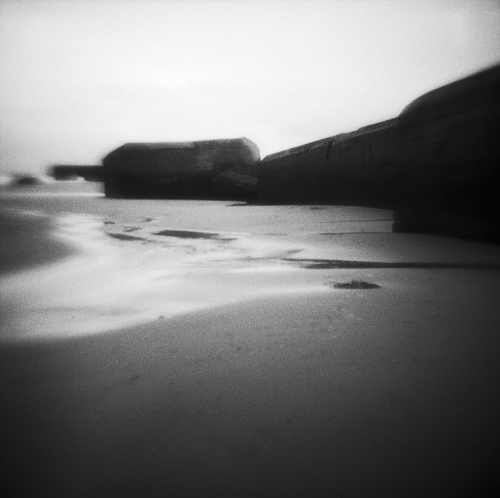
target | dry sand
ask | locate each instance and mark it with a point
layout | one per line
(269, 382)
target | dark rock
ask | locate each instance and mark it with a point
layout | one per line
(26, 180)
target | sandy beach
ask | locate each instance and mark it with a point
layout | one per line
(206, 349)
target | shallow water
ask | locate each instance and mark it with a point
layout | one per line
(106, 264)
(136, 261)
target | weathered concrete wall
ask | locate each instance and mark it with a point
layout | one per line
(449, 157)
(362, 166)
(437, 163)
(350, 168)
(231, 184)
(179, 169)
(295, 176)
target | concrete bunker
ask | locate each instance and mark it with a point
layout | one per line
(349, 168)
(449, 159)
(208, 169)
(70, 172)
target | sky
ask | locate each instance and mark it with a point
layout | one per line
(79, 78)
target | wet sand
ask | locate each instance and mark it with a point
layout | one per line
(26, 242)
(292, 388)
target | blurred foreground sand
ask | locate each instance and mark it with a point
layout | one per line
(246, 372)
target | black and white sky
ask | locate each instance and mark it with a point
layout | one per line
(80, 77)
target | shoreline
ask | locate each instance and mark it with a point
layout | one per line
(120, 275)
(28, 241)
(127, 268)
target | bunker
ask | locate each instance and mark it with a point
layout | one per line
(437, 164)
(448, 158)
(72, 171)
(349, 168)
(209, 169)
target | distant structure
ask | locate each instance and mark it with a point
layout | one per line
(225, 168)
(70, 172)
(26, 180)
(437, 164)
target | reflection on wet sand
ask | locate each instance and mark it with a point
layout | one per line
(109, 285)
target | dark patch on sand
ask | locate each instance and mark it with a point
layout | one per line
(122, 236)
(355, 284)
(338, 264)
(186, 234)
(107, 222)
(131, 229)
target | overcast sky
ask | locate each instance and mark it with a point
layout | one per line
(80, 77)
